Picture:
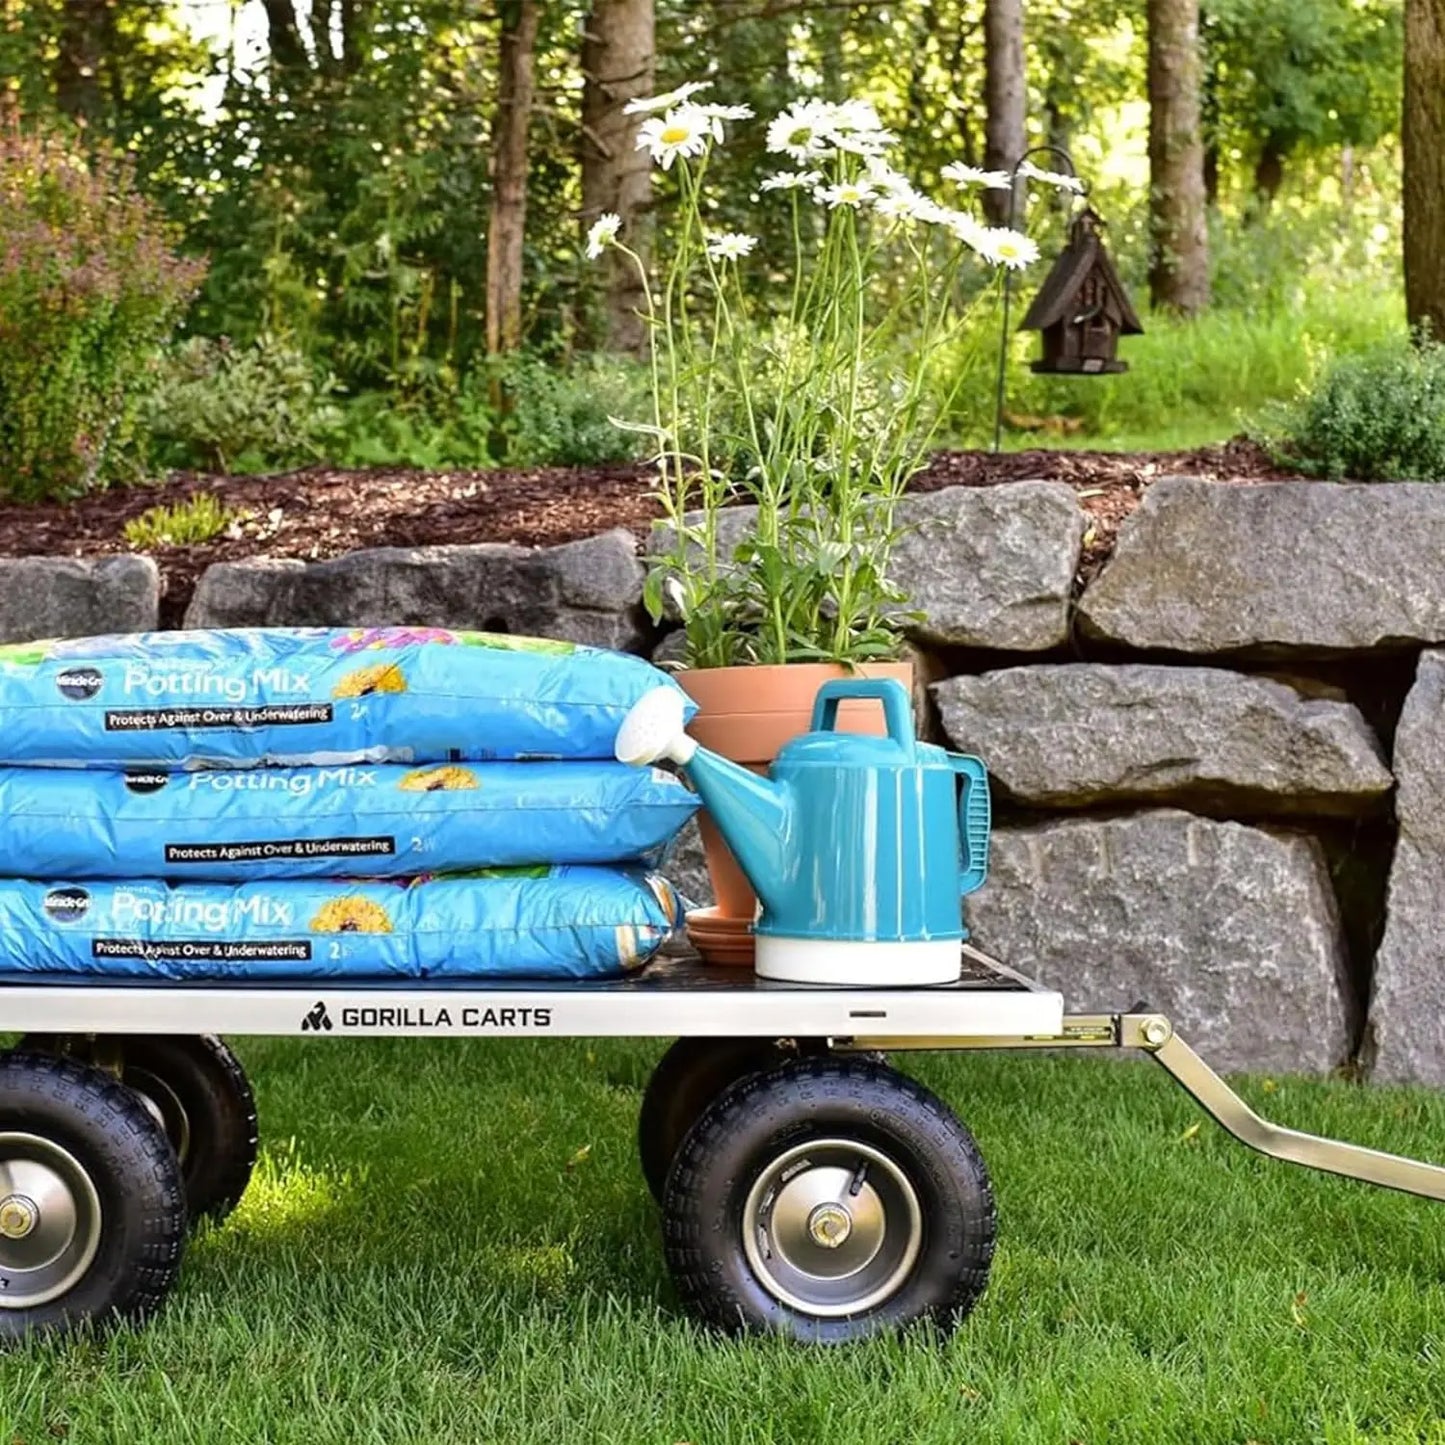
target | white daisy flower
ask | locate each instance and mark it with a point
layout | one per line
(681, 132)
(898, 206)
(864, 142)
(854, 117)
(929, 211)
(1009, 248)
(1052, 178)
(731, 246)
(804, 131)
(973, 233)
(792, 180)
(888, 180)
(967, 175)
(716, 114)
(603, 234)
(643, 105)
(847, 193)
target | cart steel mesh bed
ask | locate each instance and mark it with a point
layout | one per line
(805, 1186)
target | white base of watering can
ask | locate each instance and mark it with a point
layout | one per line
(858, 964)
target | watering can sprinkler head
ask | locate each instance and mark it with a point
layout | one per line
(754, 815)
(654, 729)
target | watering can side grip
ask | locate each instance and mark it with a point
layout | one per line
(975, 815)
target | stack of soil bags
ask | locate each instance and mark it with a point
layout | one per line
(383, 803)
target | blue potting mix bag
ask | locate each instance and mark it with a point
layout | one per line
(312, 696)
(382, 820)
(557, 923)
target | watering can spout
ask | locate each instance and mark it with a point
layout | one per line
(754, 815)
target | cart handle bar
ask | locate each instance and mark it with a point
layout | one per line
(1154, 1034)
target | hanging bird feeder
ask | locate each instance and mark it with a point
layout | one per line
(1082, 309)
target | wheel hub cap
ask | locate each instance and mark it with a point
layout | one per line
(50, 1220)
(18, 1216)
(832, 1227)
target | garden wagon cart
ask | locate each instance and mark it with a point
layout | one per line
(805, 1185)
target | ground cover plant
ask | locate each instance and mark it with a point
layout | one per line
(1375, 416)
(450, 1240)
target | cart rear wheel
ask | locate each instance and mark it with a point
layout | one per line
(196, 1089)
(688, 1077)
(92, 1212)
(829, 1199)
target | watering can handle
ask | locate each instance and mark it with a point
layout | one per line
(974, 816)
(897, 708)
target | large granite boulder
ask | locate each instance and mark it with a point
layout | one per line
(987, 567)
(1274, 569)
(1405, 1036)
(991, 567)
(1081, 734)
(587, 591)
(75, 597)
(1231, 931)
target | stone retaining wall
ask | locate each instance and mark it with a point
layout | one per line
(1219, 770)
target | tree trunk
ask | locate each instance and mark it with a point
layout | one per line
(1179, 240)
(617, 65)
(283, 35)
(355, 34)
(1423, 137)
(78, 57)
(1005, 96)
(1269, 171)
(507, 231)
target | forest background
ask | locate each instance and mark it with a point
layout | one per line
(390, 197)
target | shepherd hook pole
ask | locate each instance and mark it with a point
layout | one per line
(1013, 201)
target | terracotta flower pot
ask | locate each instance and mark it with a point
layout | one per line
(747, 714)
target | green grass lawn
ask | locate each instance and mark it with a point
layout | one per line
(450, 1242)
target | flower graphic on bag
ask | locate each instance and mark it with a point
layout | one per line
(351, 914)
(371, 639)
(384, 677)
(446, 778)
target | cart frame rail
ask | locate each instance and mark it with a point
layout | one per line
(1154, 1035)
(991, 1007)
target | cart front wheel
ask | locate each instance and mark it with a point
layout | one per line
(829, 1199)
(196, 1089)
(92, 1212)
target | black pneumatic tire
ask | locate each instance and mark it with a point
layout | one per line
(198, 1089)
(688, 1077)
(939, 1252)
(208, 1082)
(76, 1118)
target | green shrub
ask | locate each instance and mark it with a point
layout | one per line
(89, 287)
(518, 411)
(560, 411)
(219, 407)
(198, 520)
(1378, 416)
(378, 429)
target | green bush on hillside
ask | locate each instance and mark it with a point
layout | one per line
(560, 411)
(218, 407)
(89, 287)
(1378, 416)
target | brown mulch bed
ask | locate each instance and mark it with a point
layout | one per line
(322, 512)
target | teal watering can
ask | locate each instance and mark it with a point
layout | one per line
(859, 848)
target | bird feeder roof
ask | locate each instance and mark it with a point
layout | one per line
(1084, 254)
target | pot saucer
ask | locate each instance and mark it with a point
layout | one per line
(720, 939)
